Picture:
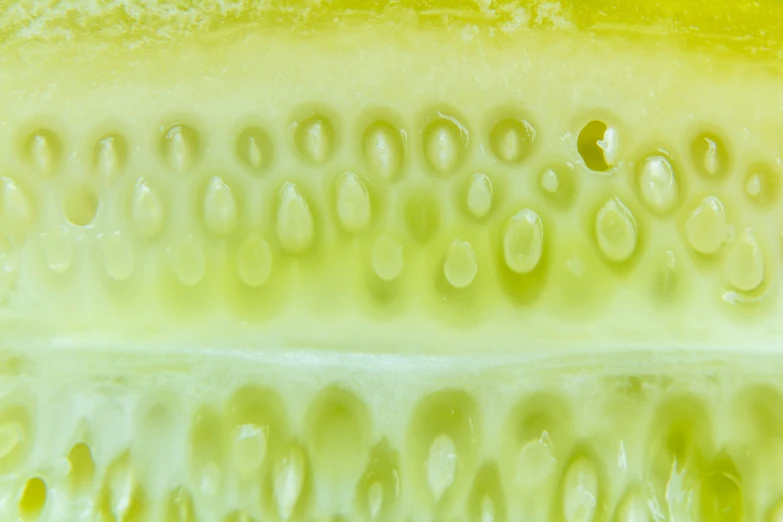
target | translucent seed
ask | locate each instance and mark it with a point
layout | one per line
(461, 266)
(254, 149)
(633, 508)
(180, 144)
(710, 155)
(375, 499)
(523, 241)
(220, 207)
(249, 448)
(294, 224)
(288, 483)
(480, 195)
(745, 263)
(487, 510)
(108, 156)
(441, 465)
(444, 141)
(43, 149)
(387, 258)
(33, 499)
(119, 492)
(314, 138)
(615, 230)
(762, 184)
(719, 498)
(353, 203)
(610, 144)
(580, 492)
(383, 149)
(11, 436)
(17, 212)
(117, 256)
(753, 186)
(706, 228)
(180, 506)
(535, 463)
(549, 181)
(657, 184)
(254, 261)
(147, 212)
(58, 249)
(512, 140)
(187, 259)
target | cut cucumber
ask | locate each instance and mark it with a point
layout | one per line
(405, 261)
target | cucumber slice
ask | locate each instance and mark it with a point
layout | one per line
(424, 261)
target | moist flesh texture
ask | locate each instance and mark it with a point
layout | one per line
(406, 261)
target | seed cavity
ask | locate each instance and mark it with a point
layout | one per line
(33, 499)
(523, 241)
(421, 215)
(512, 140)
(81, 205)
(599, 145)
(615, 230)
(383, 146)
(706, 229)
(82, 468)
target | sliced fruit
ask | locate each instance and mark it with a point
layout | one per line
(299, 261)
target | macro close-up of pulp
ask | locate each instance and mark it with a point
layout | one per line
(391, 261)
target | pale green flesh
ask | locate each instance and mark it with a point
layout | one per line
(448, 325)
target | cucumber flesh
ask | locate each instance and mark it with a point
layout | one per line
(448, 262)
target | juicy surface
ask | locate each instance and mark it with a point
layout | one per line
(560, 222)
(350, 180)
(276, 436)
